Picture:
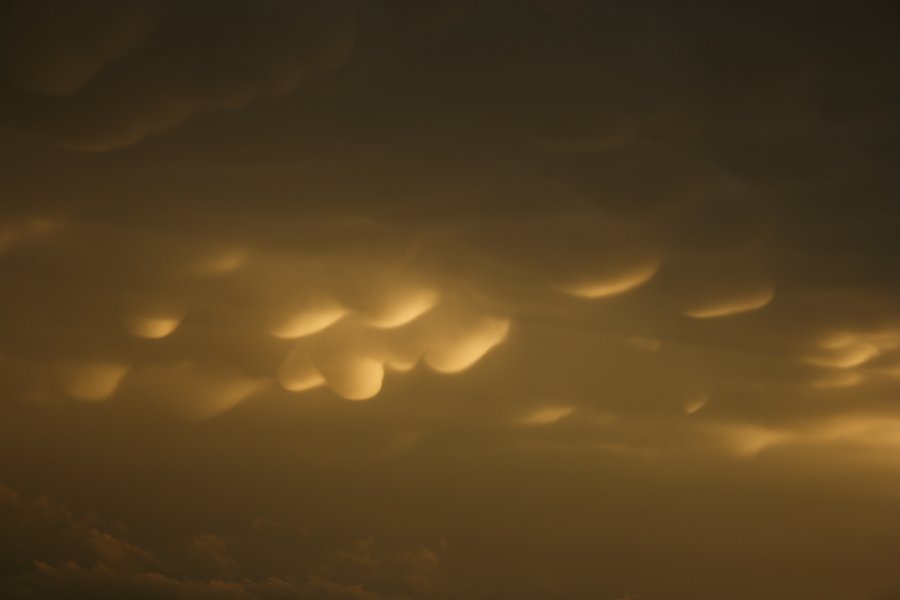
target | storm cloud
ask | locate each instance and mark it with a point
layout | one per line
(458, 298)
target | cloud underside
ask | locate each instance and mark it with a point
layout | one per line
(377, 299)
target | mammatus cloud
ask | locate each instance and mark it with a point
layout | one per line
(546, 415)
(340, 321)
(601, 288)
(602, 293)
(150, 62)
(26, 231)
(100, 75)
(154, 326)
(736, 304)
(198, 341)
(56, 48)
(93, 381)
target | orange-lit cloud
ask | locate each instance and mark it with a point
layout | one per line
(441, 299)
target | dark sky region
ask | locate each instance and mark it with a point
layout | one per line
(449, 299)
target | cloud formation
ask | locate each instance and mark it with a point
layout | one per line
(456, 298)
(109, 74)
(55, 554)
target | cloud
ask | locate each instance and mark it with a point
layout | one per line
(110, 74)
(588, 275)
(56, 48)
(47, 552)
(361, 305)
(39, 530)
(346, 320)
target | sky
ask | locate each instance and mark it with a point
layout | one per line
(449, 299)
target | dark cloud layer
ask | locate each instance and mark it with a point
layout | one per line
(50, 553)
(450, 299)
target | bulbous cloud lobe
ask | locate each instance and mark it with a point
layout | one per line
(107, 74)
